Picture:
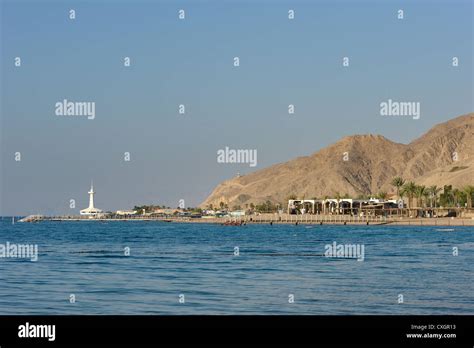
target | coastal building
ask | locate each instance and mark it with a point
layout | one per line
(126, 212)
(91, 210)
(166, 211)
(339, 206)
(237, 213)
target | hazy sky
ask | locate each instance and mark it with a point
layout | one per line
(190, 62)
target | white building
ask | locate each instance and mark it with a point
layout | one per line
(337, 205)
(126, 212)
(91, 210)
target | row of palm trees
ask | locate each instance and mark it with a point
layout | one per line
(418, 196)
(423, 196)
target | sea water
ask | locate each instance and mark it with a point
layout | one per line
(168, 268)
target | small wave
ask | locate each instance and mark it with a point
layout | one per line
(93, 252)
(444, 229)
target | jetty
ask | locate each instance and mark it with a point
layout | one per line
(32, 218)
(271, 219)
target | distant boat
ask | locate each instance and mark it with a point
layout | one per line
(232, 223)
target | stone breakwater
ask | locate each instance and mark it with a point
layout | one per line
(273, 219)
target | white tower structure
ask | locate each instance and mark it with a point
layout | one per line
(91, 210)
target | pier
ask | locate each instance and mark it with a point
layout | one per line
(309, 219)
(270, 219)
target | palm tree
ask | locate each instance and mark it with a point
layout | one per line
(434, 190)
(426, 196)
(398, 182)
(447, 198)
(382, 195)
(469, 191)
(458, 196)
(409, 189)
(419, 192)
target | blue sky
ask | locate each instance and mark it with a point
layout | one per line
(190, 62)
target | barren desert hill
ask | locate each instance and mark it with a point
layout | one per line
(361, 164)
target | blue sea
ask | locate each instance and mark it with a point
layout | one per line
(253, 269)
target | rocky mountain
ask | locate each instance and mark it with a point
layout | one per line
(361, 164)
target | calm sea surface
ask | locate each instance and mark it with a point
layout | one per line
(197, 260)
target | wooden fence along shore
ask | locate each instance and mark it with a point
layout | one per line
(275, 219)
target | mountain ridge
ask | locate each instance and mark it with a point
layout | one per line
(360, 164)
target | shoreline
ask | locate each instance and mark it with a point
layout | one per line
(271, 219)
